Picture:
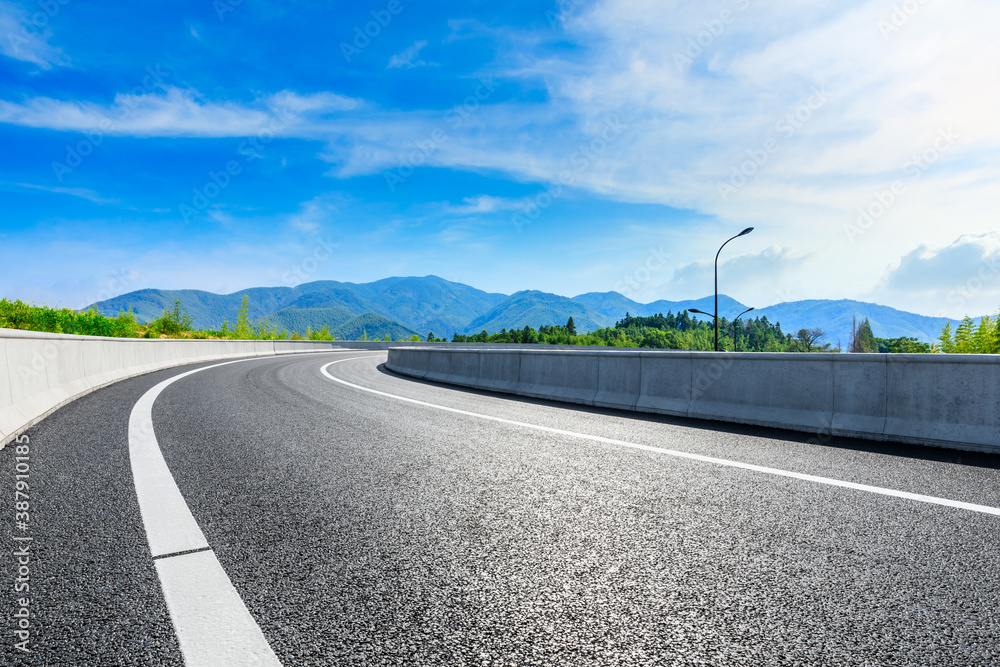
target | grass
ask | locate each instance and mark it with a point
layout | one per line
(173, 323)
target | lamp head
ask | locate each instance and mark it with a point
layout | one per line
(746, 231)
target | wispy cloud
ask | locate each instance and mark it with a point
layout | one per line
(960, 278)
(25, 37)
(486, 204)
(176, 112)
(408, 57)
(82, 193)
(316, 214)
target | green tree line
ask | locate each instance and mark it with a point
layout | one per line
(174, 322)
(663, 332)
(970, 338)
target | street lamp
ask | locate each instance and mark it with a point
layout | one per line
(736, 347)
(743, 233)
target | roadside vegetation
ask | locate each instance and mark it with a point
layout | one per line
(174, 322)
(667, 332)
(663, 332)
(970, 338)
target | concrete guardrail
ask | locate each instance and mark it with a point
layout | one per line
(928, 399)
(41, 372)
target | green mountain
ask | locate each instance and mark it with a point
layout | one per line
(415, 304)
(835, 318)
(301, 319)
(372, 326)
(536, 309)
(615, 306)
(428, 304)
(401, 307)
(208, 309)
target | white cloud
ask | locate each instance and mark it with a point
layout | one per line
(25, 37)
(741, 277)
(325, 102)
(487, 204)
(82, 193)
(315, 214)
(177, 112)
(838, 107)
(961, 278)
(408, 57)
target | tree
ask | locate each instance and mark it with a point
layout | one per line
(809, 338)
(946, 340)
(903, 345)
(242, 330)
(862, 338)
(656, 339)
(571, 326)
(172, 321)
(982, 338)
(996, 334)
(963, 337)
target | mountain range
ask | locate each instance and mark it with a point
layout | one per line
(402, 307)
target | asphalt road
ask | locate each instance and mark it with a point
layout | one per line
(360, 529)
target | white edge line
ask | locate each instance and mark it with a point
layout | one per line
(211, 621)
(933, 500)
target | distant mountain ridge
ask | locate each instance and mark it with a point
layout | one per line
(403, 306)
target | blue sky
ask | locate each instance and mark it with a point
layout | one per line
(574, 146)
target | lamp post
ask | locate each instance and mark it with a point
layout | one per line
(743, 233)
(736, 347)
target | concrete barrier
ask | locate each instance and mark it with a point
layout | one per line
(562, 376)
(40, 372)
(499, 370)
(619, 380)
(928, 399)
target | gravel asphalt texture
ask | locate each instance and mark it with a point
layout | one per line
(362, 530)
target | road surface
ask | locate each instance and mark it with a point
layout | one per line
(362, 518)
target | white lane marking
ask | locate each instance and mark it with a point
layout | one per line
(213, 625)
(170, 527)
(933, 500)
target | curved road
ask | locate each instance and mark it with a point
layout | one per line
(463, 528)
